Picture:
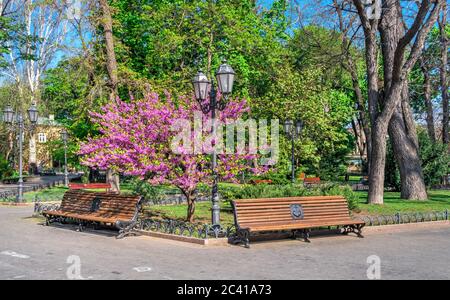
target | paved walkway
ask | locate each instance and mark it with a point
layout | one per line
(34, 181)
(32, 251)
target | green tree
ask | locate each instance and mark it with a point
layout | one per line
(168, 41)
(5, 168)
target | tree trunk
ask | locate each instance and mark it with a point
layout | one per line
(190, 196)
(443, 71)
(428, 103)
(378, 162)
(402, 128)
(111, 66)
(394, 41)
(359, 138)
(111, 63)
(407, 156)
(114, 180)
(10, 145)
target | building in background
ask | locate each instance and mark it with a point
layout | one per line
(39, 155)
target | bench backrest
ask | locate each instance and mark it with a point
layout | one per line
(312, 180)
(108, 205)
(261, 181)
(76, 201)
(279, 210)
(89, 186)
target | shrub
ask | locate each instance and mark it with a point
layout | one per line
(276, 178)
(151, 192)
(5, 169)
(229, 192)
(435, 162)
(435, 159)
(342, 190)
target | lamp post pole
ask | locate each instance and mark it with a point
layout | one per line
(293, 131)
(215, 187)
(293, 158)
(17, 119)
(225, 79)
(21, 134)
(66, 173)
(65, 137)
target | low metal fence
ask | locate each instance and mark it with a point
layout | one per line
(203, 231)
(406, 218)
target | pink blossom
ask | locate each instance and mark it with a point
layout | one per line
(136, 140)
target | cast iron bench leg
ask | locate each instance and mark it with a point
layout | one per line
(294, 234)
(246, 239)
(47, 220)
(242, 237)
(80, 227)
(305, 233)
(125, 229)
(359, 230)
(356, 229)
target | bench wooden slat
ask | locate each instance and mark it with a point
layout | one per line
(89, 186)
(113, 209)
(289, 218)
(288, 199)
(285, 207)
(271, 203)
(273, 214)
(286, 211)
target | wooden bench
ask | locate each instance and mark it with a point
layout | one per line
(297, 214)
(99, 209)
(308, 182)
(90, 186)
(260, 181)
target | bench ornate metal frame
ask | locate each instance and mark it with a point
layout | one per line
(126, 228)
(242, 234)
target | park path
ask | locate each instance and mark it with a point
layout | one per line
(32, 251)
(33, 182)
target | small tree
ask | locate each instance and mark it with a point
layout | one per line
(137, 138)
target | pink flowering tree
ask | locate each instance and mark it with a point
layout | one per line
(138, 138)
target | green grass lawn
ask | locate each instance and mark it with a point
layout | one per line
(438, 201)
(202, 212)
(51, 194)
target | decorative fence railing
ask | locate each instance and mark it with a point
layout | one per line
(203, 231)
(406, 218)
(47, 204)
(170, 199)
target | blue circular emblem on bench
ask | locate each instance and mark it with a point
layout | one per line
(297, 212)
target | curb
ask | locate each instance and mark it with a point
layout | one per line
(185, 239)
(16, 204)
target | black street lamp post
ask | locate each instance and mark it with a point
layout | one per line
(293, 132)
(17, 120)
(202, 86)
(65, 138)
